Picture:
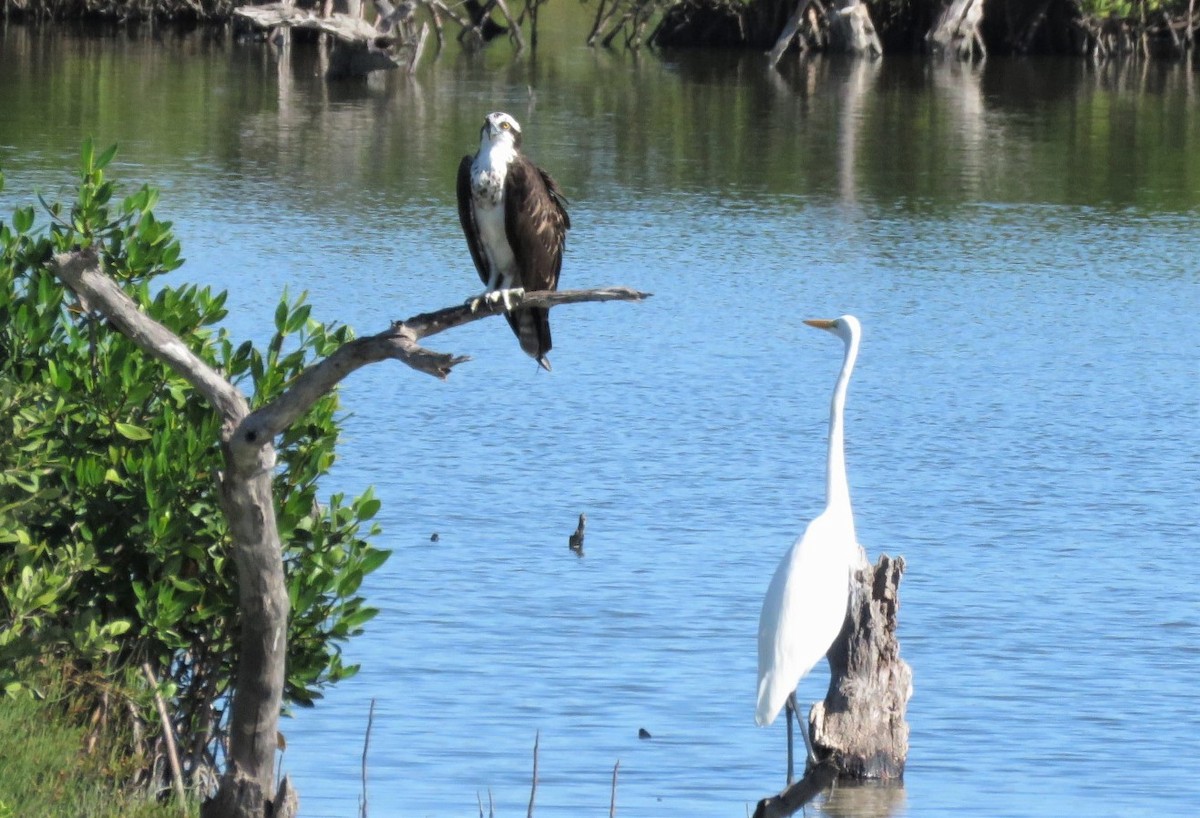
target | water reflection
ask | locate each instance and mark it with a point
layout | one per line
(872, 799)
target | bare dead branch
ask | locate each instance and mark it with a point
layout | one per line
(248, 502)
(431, 323)
(81, 271)
(400, 343)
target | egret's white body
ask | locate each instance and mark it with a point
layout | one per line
(806, 602)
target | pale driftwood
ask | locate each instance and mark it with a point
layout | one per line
(790, 31)
(247, 446)
(957, 30)
(851, 29)
(859, 732)
(359, 47)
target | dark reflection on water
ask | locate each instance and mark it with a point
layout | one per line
(1019, 240)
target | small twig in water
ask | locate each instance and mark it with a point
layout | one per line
(533, 789)
(612, 801)
(366, 744)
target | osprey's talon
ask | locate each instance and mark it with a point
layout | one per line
(490, 297)
(511, 296)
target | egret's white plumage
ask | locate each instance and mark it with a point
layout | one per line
(806, 602)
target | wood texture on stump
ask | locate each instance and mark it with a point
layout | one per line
(859, 732)
(861, 723)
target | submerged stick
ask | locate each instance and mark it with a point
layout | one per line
(533, 789)
(612, 800)
(367, 744)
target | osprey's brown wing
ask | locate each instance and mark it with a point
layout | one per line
(466, 215)
(536, 222)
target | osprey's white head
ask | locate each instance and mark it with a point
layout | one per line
(500, 130)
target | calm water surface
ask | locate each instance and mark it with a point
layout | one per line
(1021, 245)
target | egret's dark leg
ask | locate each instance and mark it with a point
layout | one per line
(810, 758)
(790, 707)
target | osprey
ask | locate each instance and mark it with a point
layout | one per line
(515, 219)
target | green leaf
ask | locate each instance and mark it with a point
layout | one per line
(106, 157)
(374, 558)
(368, 509)
(131, 432)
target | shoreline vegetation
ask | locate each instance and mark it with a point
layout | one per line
(963, 29)
(76, 766)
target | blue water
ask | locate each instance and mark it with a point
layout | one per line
(1021, 427)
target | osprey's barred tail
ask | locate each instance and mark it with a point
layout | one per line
(532, 326)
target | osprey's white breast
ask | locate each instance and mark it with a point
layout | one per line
(488, 173)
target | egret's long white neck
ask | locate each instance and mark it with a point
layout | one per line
(837, 487)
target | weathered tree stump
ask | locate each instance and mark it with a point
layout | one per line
(860, 725)
(859, 732)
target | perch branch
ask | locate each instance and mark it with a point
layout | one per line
(400, 343)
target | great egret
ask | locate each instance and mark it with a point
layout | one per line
(806, 602)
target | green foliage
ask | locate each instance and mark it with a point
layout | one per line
(114, 549)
